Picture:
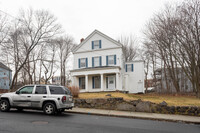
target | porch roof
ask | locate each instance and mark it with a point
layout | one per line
(95, 68)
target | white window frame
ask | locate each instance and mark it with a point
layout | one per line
(97, 80)
(96, 44)
(81, 84)
(111, 58)
(96, 61)
(129, 67)
(82, 64)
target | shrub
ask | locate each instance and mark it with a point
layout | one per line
(3, 91)
(74, 90)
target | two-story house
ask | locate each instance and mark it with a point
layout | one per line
(5, 76)
(99, 65)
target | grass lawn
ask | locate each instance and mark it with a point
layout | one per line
(155, 98)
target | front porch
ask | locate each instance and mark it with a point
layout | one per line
(96, 79)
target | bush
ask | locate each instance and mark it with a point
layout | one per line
(3, 91)
(74, 90)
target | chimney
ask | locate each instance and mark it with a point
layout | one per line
(82, 39)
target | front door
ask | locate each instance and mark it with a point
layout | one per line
(111, 82)
(23, 98)
(140, 87)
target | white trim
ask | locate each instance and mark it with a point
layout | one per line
(92, 34)
(95, 50)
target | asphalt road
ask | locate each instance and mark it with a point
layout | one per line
(37, 122)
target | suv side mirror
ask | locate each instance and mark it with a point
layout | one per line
(17, 92)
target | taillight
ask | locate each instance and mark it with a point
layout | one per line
(64, 98)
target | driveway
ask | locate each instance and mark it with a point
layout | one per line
(30, 121)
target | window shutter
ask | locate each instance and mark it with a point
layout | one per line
(92, 61)
(100, 62)
(99, 43)
(126, 67)
(107, 82)
(79, 63)
(92, 44)
(86, 62)
(93, 82)
(106, 60)
(115, 62)
(132, 67)
(79, 82)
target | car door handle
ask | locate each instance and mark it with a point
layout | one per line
(28, 96)
(44, 96)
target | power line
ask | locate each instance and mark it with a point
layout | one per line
(10, 15)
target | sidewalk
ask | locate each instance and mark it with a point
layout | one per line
(139, 115)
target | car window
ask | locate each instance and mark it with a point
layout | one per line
(57, 90)
(40, 90)
(26, 90)
(68, 91)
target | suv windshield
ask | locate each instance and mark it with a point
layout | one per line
(56, 90)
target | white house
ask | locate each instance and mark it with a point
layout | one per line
(99, 65)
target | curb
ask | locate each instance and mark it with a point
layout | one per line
(134, 117)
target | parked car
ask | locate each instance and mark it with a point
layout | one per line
(49, 98)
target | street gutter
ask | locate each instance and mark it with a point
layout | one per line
(137, 115)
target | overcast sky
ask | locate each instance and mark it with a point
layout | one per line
(80, 17)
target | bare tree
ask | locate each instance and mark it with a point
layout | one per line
(36, 27)
(48, 61)
(4, 27)
(130, 47)
(65, 45)
(176, 34)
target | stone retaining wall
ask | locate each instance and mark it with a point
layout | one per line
(136, 106)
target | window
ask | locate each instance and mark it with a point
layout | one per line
(26, 90)
(68, 91)
(82, 62)
(96, 82)
(111, 60)
(96, 61)
(57, 90)
(129, 67)
(82, 82)
(41, 90)
(96, 44)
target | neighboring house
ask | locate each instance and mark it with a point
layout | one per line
(57, 80)
(5, 76)
(99, 65)
(42, 81)
(161, 82)
(148, 83)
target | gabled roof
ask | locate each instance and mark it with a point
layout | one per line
(100, 33)
(4, 67)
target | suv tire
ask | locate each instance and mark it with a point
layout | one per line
(49, 108)
(4, 106)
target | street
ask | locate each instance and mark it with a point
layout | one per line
(30, 121)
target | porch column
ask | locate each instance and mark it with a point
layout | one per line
(117, 81)
(73, 81)
(86, 83)
(102, 85)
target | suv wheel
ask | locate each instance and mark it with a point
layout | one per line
(49, 108)
(4, 105)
